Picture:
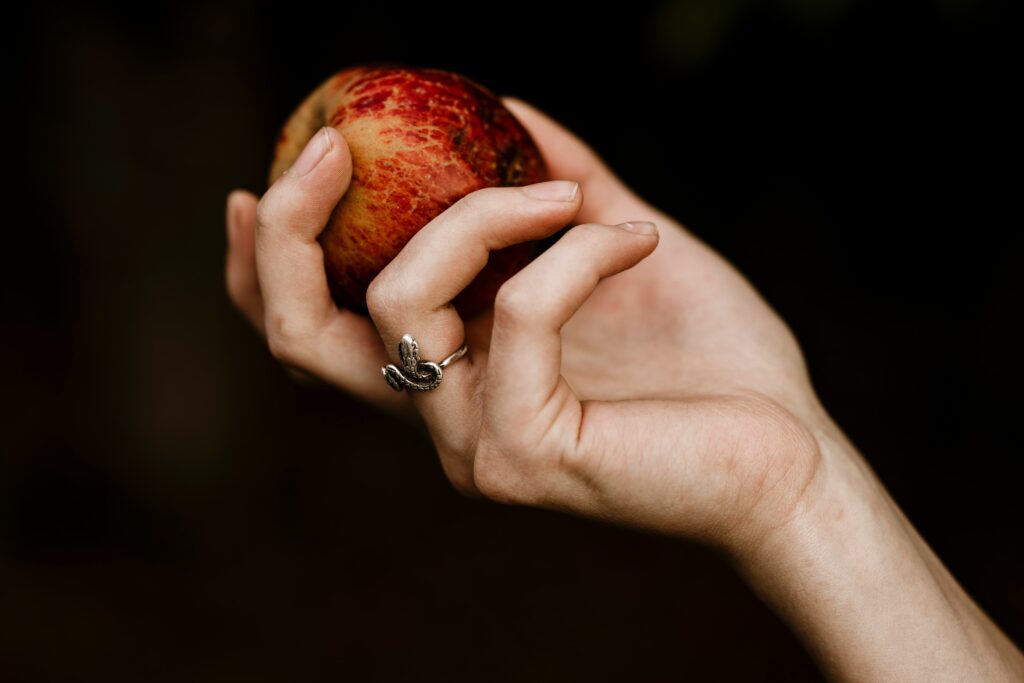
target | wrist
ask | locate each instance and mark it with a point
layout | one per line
(843, 497)
(862, 589)
(837, 562)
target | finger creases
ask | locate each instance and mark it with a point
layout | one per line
(524, 363)
(413, 294)
(289, 260)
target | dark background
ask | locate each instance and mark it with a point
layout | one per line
(175, 509)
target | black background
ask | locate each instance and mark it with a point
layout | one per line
(175, 509)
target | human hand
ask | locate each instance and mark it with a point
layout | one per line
(676, 355)
(630, 376)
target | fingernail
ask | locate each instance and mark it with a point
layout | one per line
(316, 149)
(639, 227)
(553, 190)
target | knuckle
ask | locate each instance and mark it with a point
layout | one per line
(493, 481)
(480, 200)
(514, 302)
(587, 232)
(508, 473)
(280, 350)
(265, 210)
(282, 209)
(459, 470)
(287, 340)
(381, 296)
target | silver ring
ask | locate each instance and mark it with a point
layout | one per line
(418, 374)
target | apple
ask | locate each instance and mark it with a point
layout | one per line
(420, 140)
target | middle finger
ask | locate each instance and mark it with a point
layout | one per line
(413, 294)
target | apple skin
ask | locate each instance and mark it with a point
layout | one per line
(420, 140)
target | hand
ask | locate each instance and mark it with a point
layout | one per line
(674, 398)
(630, 375)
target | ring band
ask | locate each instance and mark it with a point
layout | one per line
(417, 374)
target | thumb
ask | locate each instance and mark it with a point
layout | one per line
(606, 198)
(289, 217)
(300, 201)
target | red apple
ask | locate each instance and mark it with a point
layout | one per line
(420, 140)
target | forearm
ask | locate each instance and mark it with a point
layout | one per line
(866, 594)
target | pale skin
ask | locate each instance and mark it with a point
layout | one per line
(632, 376)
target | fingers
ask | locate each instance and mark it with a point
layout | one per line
(569, 157)
(531, 417)
(531, 308)
(303, 327)
(240, 268)
(289, 260)
(413, 293)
